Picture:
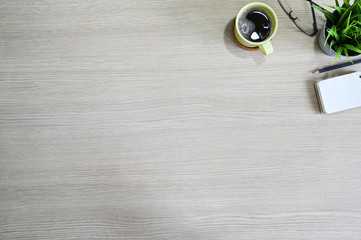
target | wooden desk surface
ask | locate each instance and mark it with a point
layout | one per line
(144, 120)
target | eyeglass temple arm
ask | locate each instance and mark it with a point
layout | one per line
(313, 15)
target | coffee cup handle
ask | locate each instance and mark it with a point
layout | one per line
(266, 48)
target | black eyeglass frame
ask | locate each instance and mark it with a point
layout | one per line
(294, 19)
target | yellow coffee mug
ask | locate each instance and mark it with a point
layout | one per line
(265, 45)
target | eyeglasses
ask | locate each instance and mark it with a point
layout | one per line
(307, 25)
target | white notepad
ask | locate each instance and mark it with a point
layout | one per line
(339, 93)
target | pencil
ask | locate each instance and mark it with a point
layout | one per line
(336, 67)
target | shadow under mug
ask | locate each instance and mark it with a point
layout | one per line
(265, 46)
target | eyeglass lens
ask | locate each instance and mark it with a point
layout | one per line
(301, 13)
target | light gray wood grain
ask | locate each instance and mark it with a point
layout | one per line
(144, 120)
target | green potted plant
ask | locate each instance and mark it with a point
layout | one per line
(341, 34)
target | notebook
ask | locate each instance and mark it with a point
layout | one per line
(339, 93)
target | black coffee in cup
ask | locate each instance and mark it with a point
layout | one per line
(255, 25)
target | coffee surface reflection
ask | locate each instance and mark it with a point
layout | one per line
(255, 25)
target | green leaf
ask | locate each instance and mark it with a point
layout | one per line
(332, 32)
(346, 3)
(352, 48)
(348, 24)
(343, 16)
(328, 15)
(331, 44)
(337, 8)
(338, 54)
(345, 52)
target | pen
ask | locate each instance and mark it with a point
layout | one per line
(336, 67)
